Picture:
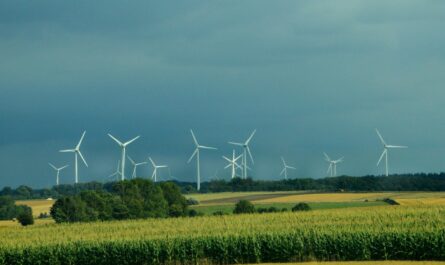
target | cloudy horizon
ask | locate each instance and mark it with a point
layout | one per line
(310, 76)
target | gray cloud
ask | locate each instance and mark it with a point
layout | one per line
(312, 76)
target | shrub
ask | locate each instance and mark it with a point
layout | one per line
(302, 206)
(192, 201)
(219, 213)
(244, 206)
(25, 218)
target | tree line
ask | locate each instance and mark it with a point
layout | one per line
(129, 199)
(406, 182)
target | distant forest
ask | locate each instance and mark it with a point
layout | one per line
(411, 182)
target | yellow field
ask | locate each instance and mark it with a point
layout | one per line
(225, 195)
(405, 197)
(360, 263)
(38, 206)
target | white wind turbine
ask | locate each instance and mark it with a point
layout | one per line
(232, 163)
(246, 150)
(135, 166)
(76, 152)
(154, 176)
(123, 146)
(285, 168)
(58, 171)
(117, 172)
(196, 153)
(386, 148)
(332, 164)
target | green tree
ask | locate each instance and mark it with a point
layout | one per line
(177, 203)
(244, 206)
(25, 218)
(302, 206)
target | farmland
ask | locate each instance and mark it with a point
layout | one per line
(372, 233)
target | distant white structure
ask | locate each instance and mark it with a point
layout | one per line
(332, 165)
(386, 148)
(285, 168)
(117, 172)
(246, 150)
(196, 153)
(154, 176)
(76, 152)
(58, 171)
(135, 166)
(123, 146)
(233, 164)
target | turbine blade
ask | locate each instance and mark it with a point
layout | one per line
(83, 159)
(381, 157)
(194, 137)
(396, 146)
(291, 167)
(284, 162)
(116, 140)
(250, 155)
(236, 159)
(229, 165)
(282, 171)
(251, 136)
(67, 151)
(64, 167)
(51, 165)
(381, 137)
(207, 147)
(228, 160)
(329, 168)
(132, 140)
(194, 153)
(81, 139)
(327, 157)
(237, 144)
(162, 166)
(152, 162)
(131, 160)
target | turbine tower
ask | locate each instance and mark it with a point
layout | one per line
(386, 148)
(232, 163)
(76, 152)
(196, 153)
(123, 146)
(332, 164)
(135, 166)
(58, 172)
(246, 150)
(117, 172)
(154, 176)
(285, 168)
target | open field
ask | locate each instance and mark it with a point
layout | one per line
(38, 206)
(371, 233)
(228, 208)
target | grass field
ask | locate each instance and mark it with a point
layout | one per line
(228, 208)
(38, 206)
(370, 233)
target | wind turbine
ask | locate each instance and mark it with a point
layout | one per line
(58, 171)
(196, 153)
(154, 176)
(232, 163)
(76, 152)
(117, 172)
(135, 166)
(246, 150)
(332, 164)
(386, 148)
(285, 168)
(123, 146)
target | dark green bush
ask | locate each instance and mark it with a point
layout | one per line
(302, 206)
(244, 206)
(25, 218)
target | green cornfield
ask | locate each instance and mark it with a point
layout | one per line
(373, 233)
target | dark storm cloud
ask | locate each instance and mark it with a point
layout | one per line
(311, 76)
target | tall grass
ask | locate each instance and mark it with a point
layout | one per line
(377, 233)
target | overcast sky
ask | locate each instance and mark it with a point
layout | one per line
(310, 76)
